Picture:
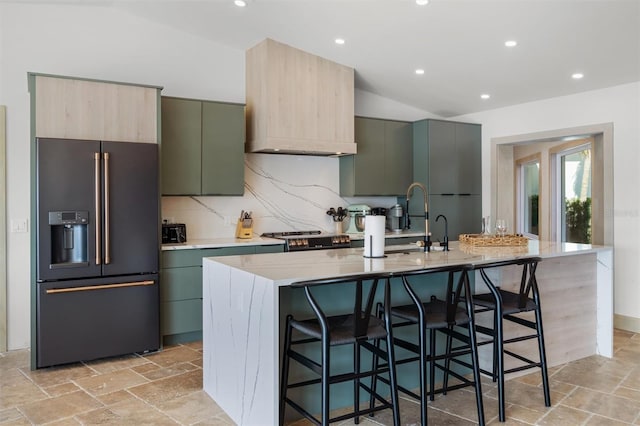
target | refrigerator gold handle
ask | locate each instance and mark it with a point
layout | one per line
(99, 287)
(107, 233)
(96, 157)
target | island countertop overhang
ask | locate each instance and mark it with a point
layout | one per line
(286, 268)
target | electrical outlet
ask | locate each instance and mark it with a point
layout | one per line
(227, 221)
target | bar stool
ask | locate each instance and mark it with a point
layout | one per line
(506, 305)
(358, 328)
(456, 310)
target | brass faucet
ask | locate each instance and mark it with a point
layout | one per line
(427, 235)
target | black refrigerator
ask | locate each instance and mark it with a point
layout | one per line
(97, 250)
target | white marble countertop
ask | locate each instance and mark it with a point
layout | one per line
(260, 241)
(285, 268)
(222, 242)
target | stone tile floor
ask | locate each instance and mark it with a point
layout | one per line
(165, 388)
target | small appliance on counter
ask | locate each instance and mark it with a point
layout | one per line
(357, 212)
(174, 233)
(379, 211)
(395, 218)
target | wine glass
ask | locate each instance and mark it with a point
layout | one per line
(501, 227)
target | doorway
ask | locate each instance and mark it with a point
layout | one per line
(571, 206)
(503, 177)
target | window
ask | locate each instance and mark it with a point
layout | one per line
(528, 209)
(572, 194)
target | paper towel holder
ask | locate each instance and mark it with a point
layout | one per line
(371, 250)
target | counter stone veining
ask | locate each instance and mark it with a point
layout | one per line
(285, 268)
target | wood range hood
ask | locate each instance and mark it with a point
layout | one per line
(298, 103)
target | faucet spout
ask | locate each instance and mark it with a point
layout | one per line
(445, 240)
(427, 234)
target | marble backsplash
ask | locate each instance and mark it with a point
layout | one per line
(283, 192)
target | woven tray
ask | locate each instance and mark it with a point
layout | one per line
(484, 240)
(506, 251)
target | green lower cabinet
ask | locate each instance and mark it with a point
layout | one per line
(181, 316)
(181, 289)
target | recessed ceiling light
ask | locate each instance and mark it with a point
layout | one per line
(577, 76)
(339, 41)
(511, 43)
(240, 3)
(422, 2)
(419, 71)
(485, 96)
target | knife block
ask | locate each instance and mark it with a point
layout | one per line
(244, 231)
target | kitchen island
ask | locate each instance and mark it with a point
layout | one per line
(244, 307)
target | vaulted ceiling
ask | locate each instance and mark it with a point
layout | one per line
(460, 44)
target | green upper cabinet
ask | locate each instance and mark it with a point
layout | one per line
(181, 146)
(455, 157)
(222, 149)
(383, 164)
(447, 160)
(202, 147)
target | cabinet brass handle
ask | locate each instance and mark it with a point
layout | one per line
(99, 287)
(96, 219)
(107, 233)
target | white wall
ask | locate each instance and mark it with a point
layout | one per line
(619, 105)
(102, 43)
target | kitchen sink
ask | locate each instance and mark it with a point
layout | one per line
(411, 250)
(404, 250)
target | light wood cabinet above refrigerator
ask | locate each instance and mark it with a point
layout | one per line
(75, 108)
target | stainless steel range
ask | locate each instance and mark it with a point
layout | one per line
(310, 240)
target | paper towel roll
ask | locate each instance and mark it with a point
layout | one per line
(374, 235)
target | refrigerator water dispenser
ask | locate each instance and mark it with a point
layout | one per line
(68, 238)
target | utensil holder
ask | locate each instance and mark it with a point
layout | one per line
(244, 231)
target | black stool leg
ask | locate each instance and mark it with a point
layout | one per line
(391, 357)
(285, 369)
(447, 361)
(432, 364)
(326, 376)
(356, 382)
(423, 372)
(543, 358)
(475, 362)
(499, 348)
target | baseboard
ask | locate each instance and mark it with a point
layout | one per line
(176, 339)
(626, 323)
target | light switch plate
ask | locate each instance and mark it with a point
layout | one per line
(20, 225)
